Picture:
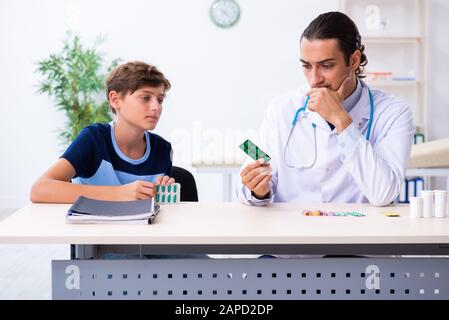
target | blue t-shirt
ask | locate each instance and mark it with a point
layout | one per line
(98, 160)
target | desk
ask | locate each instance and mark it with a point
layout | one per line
(232, 228)
(228, 170)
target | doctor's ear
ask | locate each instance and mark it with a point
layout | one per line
(355, 59)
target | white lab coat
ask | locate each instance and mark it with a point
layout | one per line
(348, 167)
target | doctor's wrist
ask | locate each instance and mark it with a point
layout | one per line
(260, 197)
(342, 123)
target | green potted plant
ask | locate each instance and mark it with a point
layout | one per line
(75, 78)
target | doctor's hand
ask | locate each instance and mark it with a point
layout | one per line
(256, 177)
(329, 104)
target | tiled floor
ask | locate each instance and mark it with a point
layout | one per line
(25, 270)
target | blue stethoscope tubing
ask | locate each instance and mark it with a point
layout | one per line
(295, 118)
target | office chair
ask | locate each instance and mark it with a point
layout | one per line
(187, 182)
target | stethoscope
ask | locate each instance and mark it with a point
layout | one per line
(367, 136)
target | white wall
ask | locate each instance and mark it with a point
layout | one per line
(222, 79)
(438, 76)
(439, 66)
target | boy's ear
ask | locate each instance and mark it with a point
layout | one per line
(114, 99)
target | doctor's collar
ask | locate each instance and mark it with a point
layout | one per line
(352, 100)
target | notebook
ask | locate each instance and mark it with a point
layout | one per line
(86, 210)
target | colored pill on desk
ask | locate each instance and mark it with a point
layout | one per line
(168, 198)
(392, 214)
(163, 198)
(174, 198)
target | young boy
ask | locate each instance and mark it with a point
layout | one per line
(120, 160)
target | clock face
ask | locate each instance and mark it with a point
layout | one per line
(225, 13)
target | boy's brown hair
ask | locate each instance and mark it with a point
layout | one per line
(131, 76)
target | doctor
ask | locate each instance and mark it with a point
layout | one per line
(339, 141)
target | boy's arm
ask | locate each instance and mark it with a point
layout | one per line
(54, 186)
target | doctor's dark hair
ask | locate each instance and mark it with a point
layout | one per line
(337, 25)
(131, 76)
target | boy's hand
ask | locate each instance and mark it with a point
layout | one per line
(256, 177)
(140, 189)
(164, 180)
(137, 190)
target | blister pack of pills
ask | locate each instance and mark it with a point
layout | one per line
(254, 151)
(168, 194)
(317, 213)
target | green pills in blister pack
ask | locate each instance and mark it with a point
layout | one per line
(168, 194)
(253, 151)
